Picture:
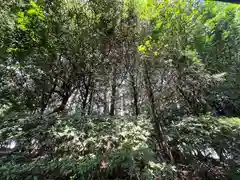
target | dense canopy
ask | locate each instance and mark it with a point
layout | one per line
(119, 89)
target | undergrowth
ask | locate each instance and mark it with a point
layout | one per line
(89, 148)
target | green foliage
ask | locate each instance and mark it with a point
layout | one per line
(173, 60)
(75, 146)
(208, 141)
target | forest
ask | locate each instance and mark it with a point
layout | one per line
(119, 90)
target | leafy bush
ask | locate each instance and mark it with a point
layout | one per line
(207, 143)
(75, 147)
(72, 146)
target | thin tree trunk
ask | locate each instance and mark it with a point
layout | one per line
(90, 101)
(113, 91)
(105, 103)
(134, 94)
(157, 125)
(46, 101)
(62, 105)
(86, 94)
(67, 91)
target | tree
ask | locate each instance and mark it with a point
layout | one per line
(126, 89)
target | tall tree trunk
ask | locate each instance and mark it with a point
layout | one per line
(86, 94)
(113, 91)
(90, 101)
(105, 101)
(156, 122)
(134, 94)
(63, 104)
(65, 93)
(45, 101)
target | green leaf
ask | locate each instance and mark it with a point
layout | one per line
(147, 43)
(155, 53)
(22, 27)
(32, 12)
(142, 49)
